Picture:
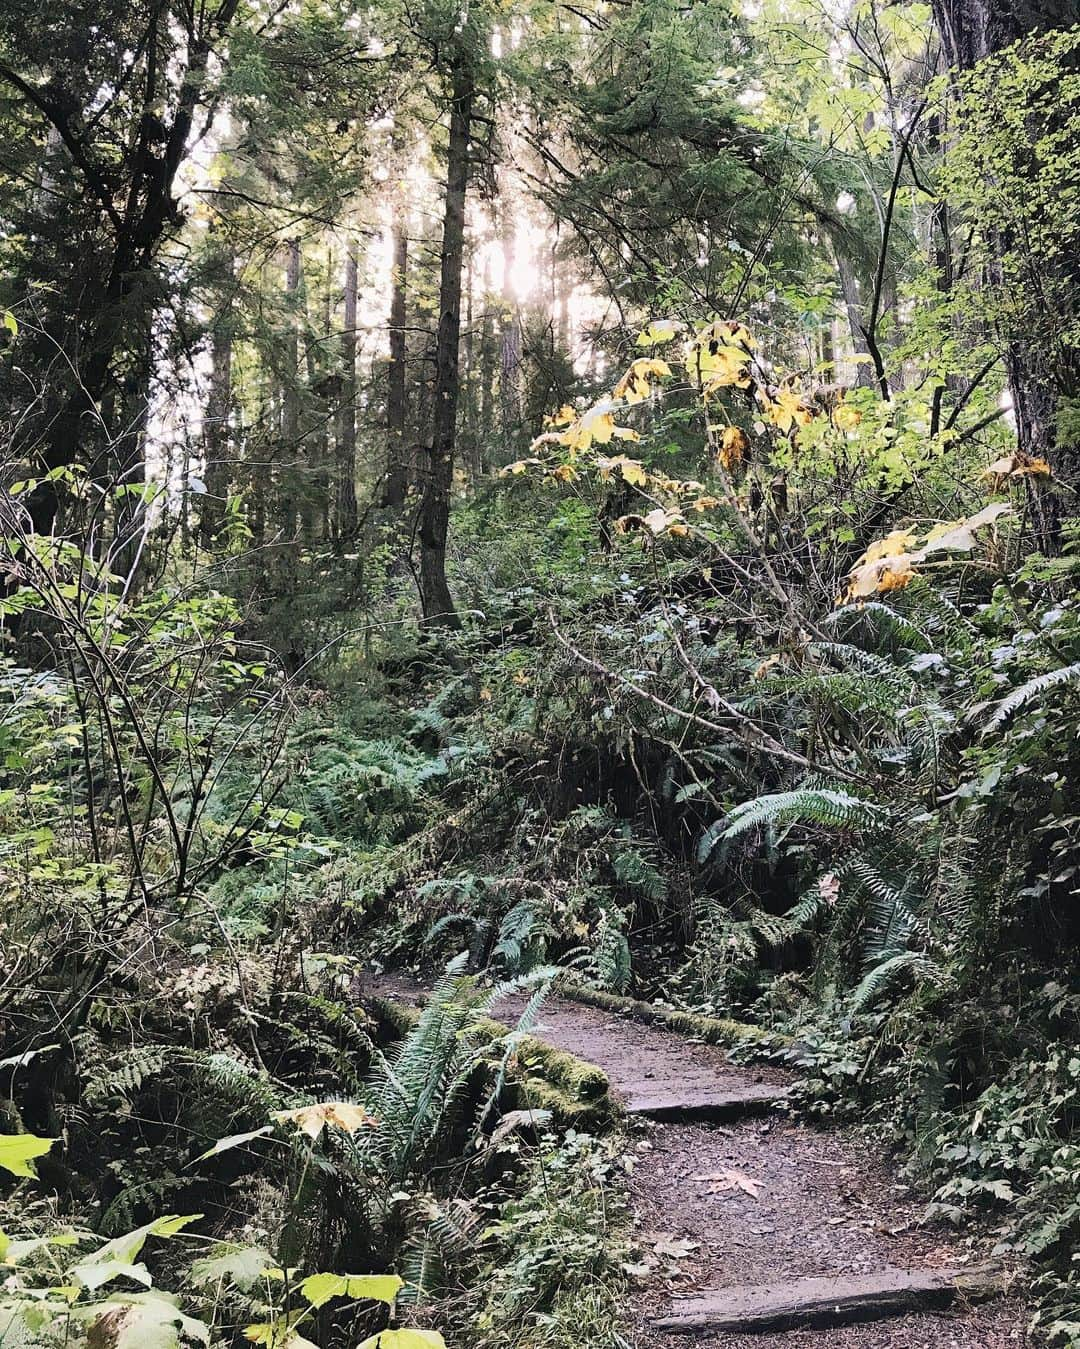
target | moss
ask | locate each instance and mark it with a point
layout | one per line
(713, 1030)
(540, 1077)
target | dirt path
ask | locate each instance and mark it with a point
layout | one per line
(760, 1200)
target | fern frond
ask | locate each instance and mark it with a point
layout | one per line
(824, 806)
(1029, 692)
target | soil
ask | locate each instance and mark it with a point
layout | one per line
(759, 1200)
(763, 1200)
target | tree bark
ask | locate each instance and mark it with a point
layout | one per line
(345, 494)
(216, 437)
(397, 392)
(435, 598)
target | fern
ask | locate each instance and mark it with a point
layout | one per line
(1029, 692)
(823, 806)
(882, 977)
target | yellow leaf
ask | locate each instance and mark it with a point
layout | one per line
(632, 471)
(564, 473)
(704, 503)
(884, 574)
(899, 541)
(634, 387)
(733, 447)
(564, 417)
(597, 424)
(722, 368)
(766, 665)
(1018, 465)
(845, 417)
(312, 1119)
(408, 1337)
(519, 466)
(660, 330)
(786, 410)
(660, 521)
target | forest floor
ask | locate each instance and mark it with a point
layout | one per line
(762, 1199)
(724, 1195)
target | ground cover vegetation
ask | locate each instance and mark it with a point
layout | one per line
(521, 492)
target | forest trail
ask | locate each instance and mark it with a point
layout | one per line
(744, 1215)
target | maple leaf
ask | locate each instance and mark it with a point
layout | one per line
(722, 368)
(675, 1248)
(659, 330)
(899, 541)
(634, 387)
(597, 424)
(632, 471)
(517, 467)
(565, 416)
(661, 521)
(1018, 465)
(730, 1179)
(312, 1119)
(846, 418)
(787, 410)
(879, 576)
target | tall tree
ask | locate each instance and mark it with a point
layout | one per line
(119, 94)
(435, 598)
(1043, 371)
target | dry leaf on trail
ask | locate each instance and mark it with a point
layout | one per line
(675, 1248)
(730, 1179)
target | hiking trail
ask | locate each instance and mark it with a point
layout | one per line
(763, 1232)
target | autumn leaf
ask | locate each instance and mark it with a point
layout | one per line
(564, 473)
(634, 387)
(565, 416)
(899, 541)
(661, 521)
(598, 424)
(704, 503)
(517, 467)
(632, 471)
(659, 330)
(730, 1179)
(845, 417)
(723, 368)
(674, 1248)
(786, 410)
(734, 445)
(312, 1119)
(1018, 465)
(880, 576)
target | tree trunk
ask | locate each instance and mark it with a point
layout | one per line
(345, 494)
(510, 341)
(216, 440)
(396, 392)
(435, 597)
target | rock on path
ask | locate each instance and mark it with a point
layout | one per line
(785, 1236)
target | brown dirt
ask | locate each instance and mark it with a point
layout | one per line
(821, 1201)
(826, 1202)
